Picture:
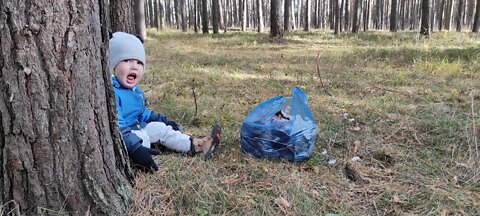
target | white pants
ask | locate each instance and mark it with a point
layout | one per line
(159, 132)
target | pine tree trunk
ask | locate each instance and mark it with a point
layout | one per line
(121, 16)
(139, 13)
(476, 19)
(60, 145)
(275, 30)
(337, 17)
(424, 28)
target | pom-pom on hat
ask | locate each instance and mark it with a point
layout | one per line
(125, 46)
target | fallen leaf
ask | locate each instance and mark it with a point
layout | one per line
(356, 128)
(396, 199)
(454, 180)
(282, 202)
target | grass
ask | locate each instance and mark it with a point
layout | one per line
(407, 106)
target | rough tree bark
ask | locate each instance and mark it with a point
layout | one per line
(60, 147)
(121, 16)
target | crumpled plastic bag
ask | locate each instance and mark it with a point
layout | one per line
(280, 128)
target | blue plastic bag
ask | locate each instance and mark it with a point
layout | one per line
(280, 128)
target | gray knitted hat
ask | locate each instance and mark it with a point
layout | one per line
(125, 46)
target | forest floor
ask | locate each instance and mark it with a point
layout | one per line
(407, 106)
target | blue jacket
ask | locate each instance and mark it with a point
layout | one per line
(133, 113)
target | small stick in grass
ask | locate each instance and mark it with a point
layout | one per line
(320, 76)
(194, 97)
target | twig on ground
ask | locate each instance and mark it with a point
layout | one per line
(194, 97)
(320, 76)
(474, 127)
(376, 210)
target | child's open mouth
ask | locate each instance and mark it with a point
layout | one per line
(131, 78)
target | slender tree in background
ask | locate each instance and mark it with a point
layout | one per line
(449, 14)
(121, 16)
(275, 30)
(139, 13)
(204, 17)
(156, 12)
(183, 14)
(424, 28)
(287, 15)
(393, 16)
(355, 16)
(441, 15)
(260, 15)
(476, 19)
(215, 16)
(244, 15)
(306, 24)
(337, 17)
(61, 148)
(460, 15)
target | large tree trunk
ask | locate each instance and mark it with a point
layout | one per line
(121, 16)
(393, 16)
(476, 19)
(139, 12)
(424, 27)
(275, 30)
(60, 145)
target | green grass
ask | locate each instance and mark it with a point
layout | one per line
(401, 102)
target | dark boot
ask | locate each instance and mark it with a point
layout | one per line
(205, 146)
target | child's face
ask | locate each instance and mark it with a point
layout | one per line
(129, 72)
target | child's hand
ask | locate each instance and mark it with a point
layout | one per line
(143, 157)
